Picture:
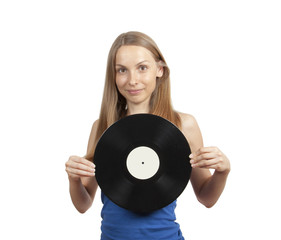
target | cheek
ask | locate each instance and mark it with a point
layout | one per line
(150, 80)
(120, 81)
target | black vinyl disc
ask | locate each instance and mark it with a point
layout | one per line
(142, 162)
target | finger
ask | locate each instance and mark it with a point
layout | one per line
(206, 150)
(80, 173)
(215, 166)
(83, 167)
(83, 161)
(205, 163)
(203, 156)
(80, 166)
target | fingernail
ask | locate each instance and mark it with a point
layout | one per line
(191, 155)
(192, 161)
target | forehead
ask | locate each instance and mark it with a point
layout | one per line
(133, 54)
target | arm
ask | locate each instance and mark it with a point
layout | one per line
(212, 187)
(207, 187)
(81, 175)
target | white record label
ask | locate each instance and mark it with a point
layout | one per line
(143, 162)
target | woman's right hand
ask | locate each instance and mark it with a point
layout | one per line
(77, 167)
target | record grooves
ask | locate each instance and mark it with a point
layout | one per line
(142, 162)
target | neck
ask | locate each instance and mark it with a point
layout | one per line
(137, 108)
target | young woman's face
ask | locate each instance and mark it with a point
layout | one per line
(136, 72)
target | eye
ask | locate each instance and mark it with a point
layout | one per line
(142, 68)
(121, 70)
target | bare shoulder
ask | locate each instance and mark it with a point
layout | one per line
(90, 183)
(93, 135)
(95, 125)
(91, 141)
(188, 122)
(191, 130)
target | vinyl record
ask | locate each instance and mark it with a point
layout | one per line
(142, 162)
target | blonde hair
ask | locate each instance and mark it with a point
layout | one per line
(113, 105)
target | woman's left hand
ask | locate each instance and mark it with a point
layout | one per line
(210, 158)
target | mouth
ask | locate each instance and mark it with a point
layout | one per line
(134, 92)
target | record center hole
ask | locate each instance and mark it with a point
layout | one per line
(142, 162)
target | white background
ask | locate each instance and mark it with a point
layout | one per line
(225, 60)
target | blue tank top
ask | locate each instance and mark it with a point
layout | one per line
(121, 224)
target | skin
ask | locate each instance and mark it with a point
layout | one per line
(136, 76)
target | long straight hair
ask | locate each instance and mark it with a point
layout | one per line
(113, 106)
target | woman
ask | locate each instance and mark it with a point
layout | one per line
(137, 81)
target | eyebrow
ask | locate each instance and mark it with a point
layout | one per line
(117, 64)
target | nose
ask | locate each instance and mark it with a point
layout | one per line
(132, 79)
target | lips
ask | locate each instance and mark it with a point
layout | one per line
(134, 91)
